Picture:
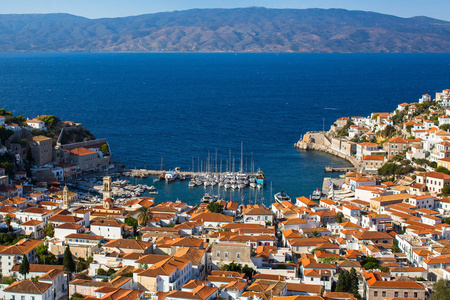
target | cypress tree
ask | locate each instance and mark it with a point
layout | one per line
(68, 263)
(24, 268)
(340, 285)
(354, 282)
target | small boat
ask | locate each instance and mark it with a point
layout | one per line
(281, 196)
(153, 193)
(192, 183)
(156, 179)
(253, 185)
(234, 186)
(227, 186)
(152, 188)
(317, 194)
(207, 198)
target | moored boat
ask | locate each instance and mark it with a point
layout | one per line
(281, 196)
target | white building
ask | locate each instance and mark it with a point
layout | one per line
(28, 290)
(36, 124)
(109, 229)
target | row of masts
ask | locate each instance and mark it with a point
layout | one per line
(214, 164)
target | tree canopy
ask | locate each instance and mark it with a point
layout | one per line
(441, 290)
(44, 256)
(215, 207)
(348, 282)
(370, 263)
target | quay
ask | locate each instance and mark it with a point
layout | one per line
(145, 172)
(331, 169)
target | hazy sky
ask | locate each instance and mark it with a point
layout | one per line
(117, 8)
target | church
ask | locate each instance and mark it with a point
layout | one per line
(107, 210)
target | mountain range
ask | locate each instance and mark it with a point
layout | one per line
(251, 29)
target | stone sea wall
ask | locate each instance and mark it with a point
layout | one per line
(319, 141)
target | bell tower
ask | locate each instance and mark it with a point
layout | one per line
(107, 192)
(65, 197)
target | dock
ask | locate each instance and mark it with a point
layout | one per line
(151, 173)
(345, 169)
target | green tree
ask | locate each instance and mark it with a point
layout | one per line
(342, 283)
(81, 264)
(395, 248)
(339, 217)
(76, 296)
(445, 191)
(215, 207)
(49, 230)
(68, 263)
(354, 282)
(315, 233)
(44, 256)
(24, 267)
(441, 290)
(370, 263)
(445, 127)
(145, 215)
(8, 220)
(101, 272)
(442, 169)
(105, 149)
(447, 220)
(50, 120)
(130, 221)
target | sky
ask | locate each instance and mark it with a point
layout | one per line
(120, 8)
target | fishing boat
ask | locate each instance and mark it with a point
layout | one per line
(281, 196)
(170, 176)
(260, 178)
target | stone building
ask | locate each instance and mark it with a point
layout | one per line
(41, 149)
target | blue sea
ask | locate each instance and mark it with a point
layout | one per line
(180, 106)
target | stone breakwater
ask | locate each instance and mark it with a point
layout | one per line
(319, 141)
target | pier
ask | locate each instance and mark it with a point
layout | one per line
(146, 173)
(345, 169)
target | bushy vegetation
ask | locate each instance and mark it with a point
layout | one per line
(234, 267)
(370, 263)
(391, 168)
(215, 207)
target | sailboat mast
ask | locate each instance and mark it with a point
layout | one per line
(242, 156)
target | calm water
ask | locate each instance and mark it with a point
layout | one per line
(179, 106)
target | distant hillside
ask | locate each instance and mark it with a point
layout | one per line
(226, 30)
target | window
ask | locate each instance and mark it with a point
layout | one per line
(22, 297)
(406, 294)
(383, 293)
(396, 294)
(218, 254)
(415, 294)
(375, 294)
(238, 255)
(226, 254)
